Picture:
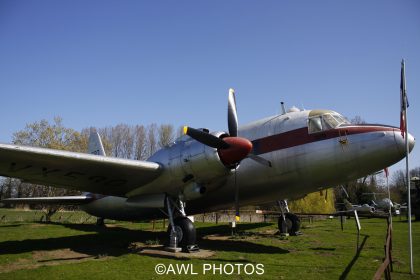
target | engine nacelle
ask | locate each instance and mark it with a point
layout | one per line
(193, 190)
(201, 161)
(191, 166)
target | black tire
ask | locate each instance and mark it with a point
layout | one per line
(292, 222)
(185, 229)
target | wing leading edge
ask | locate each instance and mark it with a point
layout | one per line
(78, 171)
(68, 200)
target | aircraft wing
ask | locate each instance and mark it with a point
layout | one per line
(69, 200)
(77, 171)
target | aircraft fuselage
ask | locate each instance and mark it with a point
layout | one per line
(308, 150)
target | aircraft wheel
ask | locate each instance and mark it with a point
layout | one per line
(185, 232)
(292, 223)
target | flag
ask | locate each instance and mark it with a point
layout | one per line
(404, 100)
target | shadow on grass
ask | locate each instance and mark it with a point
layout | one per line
(240, 246)
(116, 241)
(63, 259)
(353, 261)
(15, 225)
(107, 241)
(227, 230)
(323, 249)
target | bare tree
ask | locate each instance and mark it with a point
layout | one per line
(139, 142)
(180, 131)
(117, 139)
(357, 120)
(128, 143)
(151, 139)
(415, 172)
(121, 139)
(166, 135)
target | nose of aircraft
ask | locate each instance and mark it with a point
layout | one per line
(400, 140)
(411, 141)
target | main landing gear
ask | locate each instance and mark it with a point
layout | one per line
(100, 222)
(288, 223)
(181, 231)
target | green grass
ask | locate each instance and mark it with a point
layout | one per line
(30, 250)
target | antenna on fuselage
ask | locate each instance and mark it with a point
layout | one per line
(283, 109)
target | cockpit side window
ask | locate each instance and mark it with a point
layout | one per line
(341, 119)
(315, 124)
(330, 120)
(325, 122)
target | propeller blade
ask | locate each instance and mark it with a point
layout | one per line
(260, 160)
(206, 138)
(232, 114)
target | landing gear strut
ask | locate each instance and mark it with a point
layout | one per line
(100, 222)
(181, 231)
(288, 223)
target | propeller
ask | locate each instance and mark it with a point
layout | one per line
(233, 132)
(232, 149)
(233, 127)
(232, 114)
(259, 159)
(206, 138)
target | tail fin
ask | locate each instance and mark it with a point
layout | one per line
(95, 146)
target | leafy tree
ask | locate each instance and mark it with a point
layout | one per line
(317, 202)
(53, 136)
(47, 135)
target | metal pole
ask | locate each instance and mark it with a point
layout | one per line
(407, 171)
(408, 197)
(389, 197)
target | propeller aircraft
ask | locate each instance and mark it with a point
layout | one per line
(273, 159)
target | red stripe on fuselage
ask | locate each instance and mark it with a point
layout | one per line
(301, 136)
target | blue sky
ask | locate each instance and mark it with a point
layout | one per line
(99, 63)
